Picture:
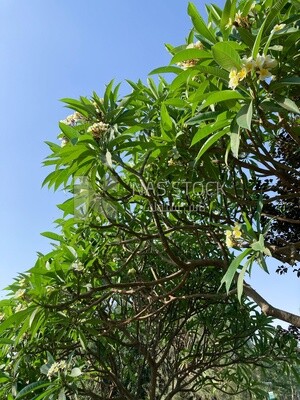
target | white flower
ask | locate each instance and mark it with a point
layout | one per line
(248, 63)
(97, 129)
(64, 141)
(259, 62)
(270, 62)
(19, 307)
(277, 28)
(57, 367)
(19, 293)
(197, 45)
(73, 119)
(78, 266)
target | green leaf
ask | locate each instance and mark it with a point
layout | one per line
(246, 37)
(199, 24)
(288, 104)
(256, 45)
(202, 117)
(68, 131)
(190, 54)
(166, 120)
(234, 265)
(6, 341)
(228, 13)
(240, 282)
(15, 319)
(235, 139)
(206, 130)
(53, 236)
(166, 70)
(218, 72)
(62, 395)
(244, 116)
(259, 245)
(31, 388)
(210, 142)
(75, 372)
(226, 56)
(217, 97)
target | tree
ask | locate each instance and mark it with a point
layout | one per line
(178, 191)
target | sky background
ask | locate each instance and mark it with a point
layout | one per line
(68, 48)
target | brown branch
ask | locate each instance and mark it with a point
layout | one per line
(269, 310)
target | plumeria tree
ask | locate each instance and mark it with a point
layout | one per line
(178, 192)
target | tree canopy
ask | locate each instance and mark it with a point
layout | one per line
(179, 191)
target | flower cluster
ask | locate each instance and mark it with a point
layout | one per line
(98, 129)
(77, 266)
(57, 367)
(239, 20)
(233, 236)
(73, 119)
(191, 63)
(261, 66)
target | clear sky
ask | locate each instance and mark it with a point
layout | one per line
(67, 48)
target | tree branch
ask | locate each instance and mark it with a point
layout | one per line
(269, 310)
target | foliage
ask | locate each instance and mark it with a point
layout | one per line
(178, 191)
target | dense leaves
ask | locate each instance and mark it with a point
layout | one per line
(178, 191)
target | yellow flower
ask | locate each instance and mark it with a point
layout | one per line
(264, 74)
(233, 82)
(248, 63)
(233, 73)
(238, 17)
(228, 233)
(278, 28)
(236, 233)
(229, 24)
(229, 242)
(242, 74)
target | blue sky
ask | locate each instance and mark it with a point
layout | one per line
(55, 49)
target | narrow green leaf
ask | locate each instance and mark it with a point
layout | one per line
(166, 70)
(31, 388)
(190, 54)
(166, 120)
(244, 116)
(217, 97)
(210, 142)
(235, 139)
(218, 72)
(53, 236)
(228, 14)
(202, 117)
(256, 45)
(246, 36)
(206, 130)
(259, 245)
(234, 265)
(199, 23)
(16, 318)
(288, 104)
(240, 282)
(226, 56)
